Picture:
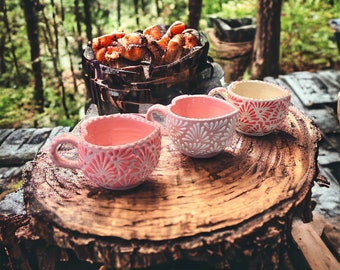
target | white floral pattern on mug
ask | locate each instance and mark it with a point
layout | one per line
(135, 163)
(202, 138)
(199, 126)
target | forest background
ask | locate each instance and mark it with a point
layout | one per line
(64, 26)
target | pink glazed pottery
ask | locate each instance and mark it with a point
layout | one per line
(115, 151)
(262, 105)
(199, 126)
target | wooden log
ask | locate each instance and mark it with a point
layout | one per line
(312, 89)
(22, 145)
(331, 236)
(17, 146)
(313, 248)
(234, 210)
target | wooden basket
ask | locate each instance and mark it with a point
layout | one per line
(133, 89)
(234, 57)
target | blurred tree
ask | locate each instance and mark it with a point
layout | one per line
(88, 18)
(195, 9)
(31, 8)
(158, 9)
(119, 12)
(266, 52)
(77, 17)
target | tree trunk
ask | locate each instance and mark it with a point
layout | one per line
(135, 5)
(265, 60)
(195, 8)
(2, 54)
(3, 10)
(88, 19)
(77, 15)
(59, 73)
(31, 17)
(69, 53)
(52, 42)
(119, 12)
(158, 8)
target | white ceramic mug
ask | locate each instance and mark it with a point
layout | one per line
(199, 126)
(262, 105)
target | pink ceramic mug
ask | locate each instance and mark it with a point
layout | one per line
(116, 151)
(199, 126)
(262, 105)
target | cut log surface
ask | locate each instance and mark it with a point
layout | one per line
(256, 184)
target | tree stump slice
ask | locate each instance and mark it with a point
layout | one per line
(225, 211)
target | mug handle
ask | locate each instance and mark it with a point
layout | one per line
(219, 91)
(59, 160)
(157, 113)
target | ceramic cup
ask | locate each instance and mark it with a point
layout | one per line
(199, 126)
(116, 151)
(262, 105)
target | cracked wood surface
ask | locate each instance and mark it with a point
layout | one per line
(248, 192)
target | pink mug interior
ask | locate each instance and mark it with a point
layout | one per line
(201, 107)
(116, 131)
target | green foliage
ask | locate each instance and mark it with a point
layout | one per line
(229, 10)
(107, 17)
(15, 106)
(54, 113)
(13, 42)
(17, 109)
(306, 39)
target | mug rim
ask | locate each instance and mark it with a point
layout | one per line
(285, 92)
(234, 111)
(84, 132)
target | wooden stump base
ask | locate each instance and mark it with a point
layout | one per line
(233, 210)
